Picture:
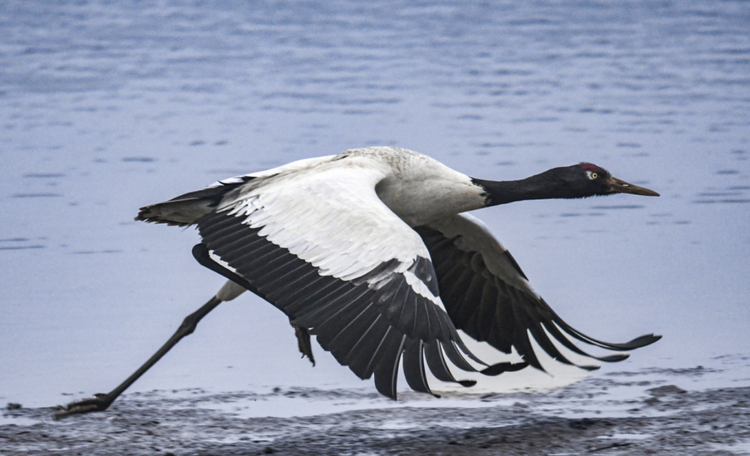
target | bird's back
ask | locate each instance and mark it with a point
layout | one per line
(415, 187)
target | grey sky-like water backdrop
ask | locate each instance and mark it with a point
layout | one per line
(109, 106)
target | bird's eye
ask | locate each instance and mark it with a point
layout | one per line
(591, 175)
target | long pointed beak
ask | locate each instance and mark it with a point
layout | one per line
(620, 186)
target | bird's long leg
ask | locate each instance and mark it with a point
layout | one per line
(101, 401)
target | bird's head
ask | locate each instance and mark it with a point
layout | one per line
(587, 179)
(577, 181)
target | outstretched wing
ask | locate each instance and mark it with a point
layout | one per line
(488, 296)
(324, 249)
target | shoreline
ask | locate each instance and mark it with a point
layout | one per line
(661, 419)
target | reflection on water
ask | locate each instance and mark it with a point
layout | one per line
(108, 107)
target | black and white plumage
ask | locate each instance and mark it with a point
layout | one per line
(369, 251)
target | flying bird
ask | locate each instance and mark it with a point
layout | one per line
(372, 253)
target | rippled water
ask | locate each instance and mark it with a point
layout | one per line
(109, 106)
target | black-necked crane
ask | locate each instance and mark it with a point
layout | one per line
(370, 251)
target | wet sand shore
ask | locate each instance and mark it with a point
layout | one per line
(664, 420)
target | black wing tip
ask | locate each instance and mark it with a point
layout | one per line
(636, 343)
(385, 385)
(642, 341)
(614, 358)
(499, 368)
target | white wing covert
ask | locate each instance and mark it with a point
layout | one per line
(324, 249)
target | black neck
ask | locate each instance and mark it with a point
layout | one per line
(546, 185)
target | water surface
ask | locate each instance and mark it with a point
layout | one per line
(106, 107)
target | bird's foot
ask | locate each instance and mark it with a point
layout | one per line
(99, 403)
(303, 341)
